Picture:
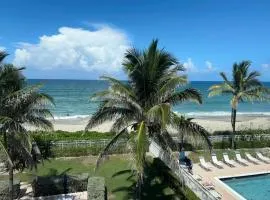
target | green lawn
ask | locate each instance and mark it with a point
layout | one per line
(120, 181)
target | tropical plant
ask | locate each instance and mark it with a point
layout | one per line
(19, 106)
(244, 86)
(144, 103)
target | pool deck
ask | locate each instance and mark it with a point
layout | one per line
(212, 176)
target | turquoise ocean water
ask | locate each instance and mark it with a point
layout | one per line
(72, 99)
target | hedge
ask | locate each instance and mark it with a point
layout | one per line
(244, 132)
(70, 136)
(4, 189)
(62, 184)
(96, 189)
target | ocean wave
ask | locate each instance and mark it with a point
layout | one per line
(71, 117)
(223, 113)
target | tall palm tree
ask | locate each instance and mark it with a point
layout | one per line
(19, 105)
(244, 86)
(144, 103)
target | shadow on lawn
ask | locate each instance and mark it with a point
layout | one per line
(159, 183)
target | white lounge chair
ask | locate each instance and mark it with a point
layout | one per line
(241, 160)
(262, 157)
(216, 162)
(252, 159)
(204, 164)
(227, 160)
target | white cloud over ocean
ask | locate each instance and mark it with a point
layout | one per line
(101, 49)
(191, 67)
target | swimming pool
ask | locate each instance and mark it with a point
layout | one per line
(252, 187)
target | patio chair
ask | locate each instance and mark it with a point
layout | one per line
(252, 159)
(262, 157)
(227, 160)
(204, 164)
(241, 160)
(216, 162)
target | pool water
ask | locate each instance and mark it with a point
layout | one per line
(256, 187)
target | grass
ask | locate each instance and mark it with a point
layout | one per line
(120, 180)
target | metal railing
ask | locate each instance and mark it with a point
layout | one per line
(184, 177)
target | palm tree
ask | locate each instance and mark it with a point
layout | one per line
(19, 105)
(144, 103)
(244, 86)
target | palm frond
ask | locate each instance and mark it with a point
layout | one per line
(141, 148)
(111, 145)
(220, 89)
(189, 94)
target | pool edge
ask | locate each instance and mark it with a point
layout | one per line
(232, 191)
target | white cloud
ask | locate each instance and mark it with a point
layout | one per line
(209, 66)
(266, 66)
(2, 48)
(190, 66)
(100, 50)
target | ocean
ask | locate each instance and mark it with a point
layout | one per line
(73, 99)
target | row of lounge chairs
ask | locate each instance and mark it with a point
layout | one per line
(232, 163)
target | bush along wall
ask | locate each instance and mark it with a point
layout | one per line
(96, 189)
(62, 184)
(4, 191)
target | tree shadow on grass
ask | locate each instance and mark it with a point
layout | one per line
(159, 183)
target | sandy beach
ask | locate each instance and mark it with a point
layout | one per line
(212, 124)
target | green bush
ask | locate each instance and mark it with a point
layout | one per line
(70, 136)
(244, 132)
(62, 184)
(96, 188)
(4, 189)
(242, 144)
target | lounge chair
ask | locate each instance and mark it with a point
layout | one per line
(204, 164)
(241, 160)
(227, 160)
(216, 162)
(252, 159)
(262, 157)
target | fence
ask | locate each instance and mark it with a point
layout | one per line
(184, 177)
(104, 142)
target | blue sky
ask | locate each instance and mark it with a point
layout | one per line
(84, 39)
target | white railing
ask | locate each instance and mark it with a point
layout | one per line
(184, 177)
(104, 142)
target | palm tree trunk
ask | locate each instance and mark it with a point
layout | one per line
(10, 173)
(233, 121)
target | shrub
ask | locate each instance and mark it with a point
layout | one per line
(96, 188)
(4, 189)
(242, 144)
(244, 132)
(62, 184)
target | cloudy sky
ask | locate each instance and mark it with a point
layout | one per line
(86, 39)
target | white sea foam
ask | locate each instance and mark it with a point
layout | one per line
(223, 113)
(71, 117)
(191, 114)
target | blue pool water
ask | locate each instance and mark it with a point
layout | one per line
(255, 187)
